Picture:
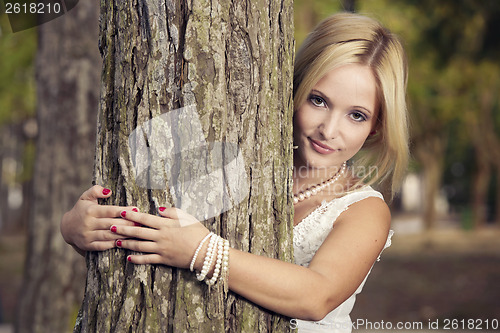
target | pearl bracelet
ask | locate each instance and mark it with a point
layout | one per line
(218, 263)
(225, 265)
(208, 258)
(191, 266)
(218, 251)
(214, 253)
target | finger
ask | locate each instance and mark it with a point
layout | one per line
(107, 223)
(170, 212)
(135, 232)
(149, 220)
(96, 192)
(100, 211)
(169, 218)
(102, 245)
(106, 235)
(143, 259)
(137, 245)
(180, 217)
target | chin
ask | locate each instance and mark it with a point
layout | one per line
(315, 164)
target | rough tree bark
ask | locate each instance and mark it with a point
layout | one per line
(67, 94)
(233, 61)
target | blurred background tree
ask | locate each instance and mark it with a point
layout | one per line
(17, 123)
(47, 161)
(17, 133)
(453, 93)
(67, 71)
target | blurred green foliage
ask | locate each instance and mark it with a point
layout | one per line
(17, 80)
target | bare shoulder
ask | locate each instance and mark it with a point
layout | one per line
(371, 215)
(373, 208)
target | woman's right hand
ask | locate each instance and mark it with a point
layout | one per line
(86, 225)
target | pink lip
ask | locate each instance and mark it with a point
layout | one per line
(320, 147)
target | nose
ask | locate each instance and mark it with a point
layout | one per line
(329, 127)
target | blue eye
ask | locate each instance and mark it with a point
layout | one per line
(317, 101)
(358, 116)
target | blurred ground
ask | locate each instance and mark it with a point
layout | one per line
(448, 276)
(442, 275)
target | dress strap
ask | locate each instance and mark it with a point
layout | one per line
(360, 194)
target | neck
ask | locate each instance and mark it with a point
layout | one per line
(307, 178)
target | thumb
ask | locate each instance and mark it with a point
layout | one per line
(96, 192)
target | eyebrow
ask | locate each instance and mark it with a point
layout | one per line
(329, 102)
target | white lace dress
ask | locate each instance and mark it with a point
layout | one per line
(308, 236)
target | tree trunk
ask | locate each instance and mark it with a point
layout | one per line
(496, 218)
(480, 188)
(430, 152)
(485, 140)
(222, 71)
(67, 111)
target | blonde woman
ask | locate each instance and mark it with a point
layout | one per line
(350, 132)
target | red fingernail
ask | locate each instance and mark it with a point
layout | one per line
(137, 224)
(135, 210)
(129, 259)
(123, 214)
(113, 228)
(118, 243)
(161, 209)
(106, 191)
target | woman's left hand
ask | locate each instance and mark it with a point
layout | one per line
(171, 238)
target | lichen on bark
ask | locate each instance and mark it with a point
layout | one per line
(233, 63)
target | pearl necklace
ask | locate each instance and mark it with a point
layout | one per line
(315, 189)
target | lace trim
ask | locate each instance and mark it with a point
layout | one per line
(388, 243)
(311, 232)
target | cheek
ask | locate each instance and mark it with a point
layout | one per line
(302, 121)
(355, 137)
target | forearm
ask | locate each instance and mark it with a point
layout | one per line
(285, 288)
(334, 273)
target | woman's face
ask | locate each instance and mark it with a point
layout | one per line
(333, 123)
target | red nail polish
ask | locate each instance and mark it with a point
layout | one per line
(106, 191)
(118, 243)
(129, 259)
(135, 210)
(113, 228)
(123, 214)
(161, 209)
(137, 224)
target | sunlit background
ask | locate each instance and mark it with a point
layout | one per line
(445, 258)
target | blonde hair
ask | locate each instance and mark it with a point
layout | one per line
(347, 38)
